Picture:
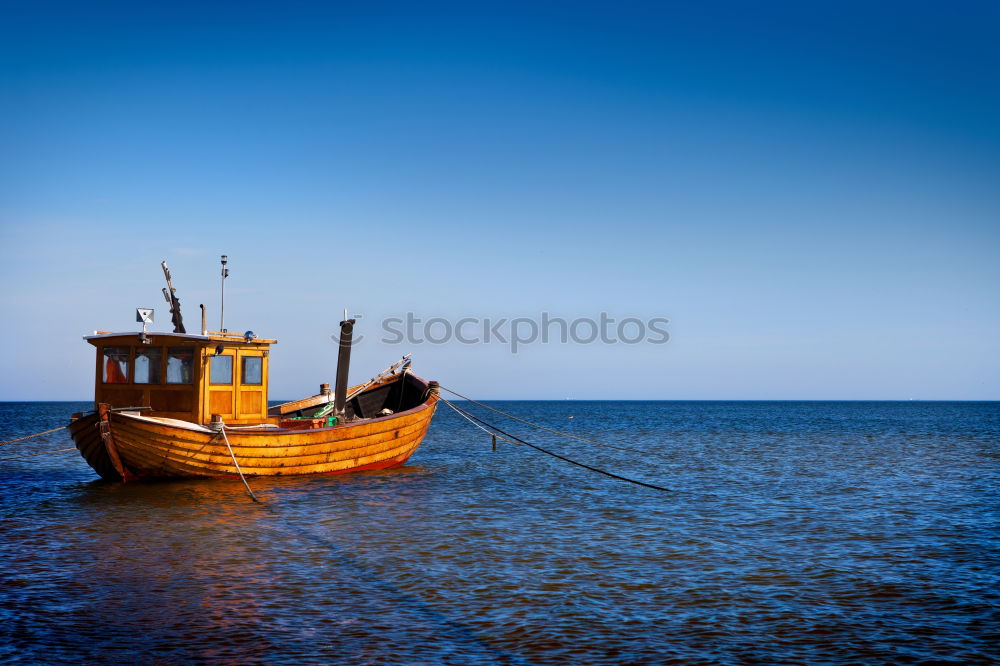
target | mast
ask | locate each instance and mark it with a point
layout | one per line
(171, 298)
(222, 307)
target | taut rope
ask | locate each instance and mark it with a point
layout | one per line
(37, 434)
(40, 453)
(222, 429)
(541, 427)
(551, 453)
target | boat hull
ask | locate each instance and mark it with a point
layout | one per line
(131, 446)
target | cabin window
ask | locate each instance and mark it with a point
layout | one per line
(180, 364)
(253, 367)
(221, 371)
(116, 365)
(147, 365)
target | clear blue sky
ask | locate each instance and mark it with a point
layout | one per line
(810, 192)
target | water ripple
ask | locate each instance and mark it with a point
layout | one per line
(796, 532)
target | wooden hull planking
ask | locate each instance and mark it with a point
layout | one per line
(153, 449)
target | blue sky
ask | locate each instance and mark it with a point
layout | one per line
(808, 191)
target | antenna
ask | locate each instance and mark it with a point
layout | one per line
(222, 308)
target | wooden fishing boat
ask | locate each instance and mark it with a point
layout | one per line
(173, 405)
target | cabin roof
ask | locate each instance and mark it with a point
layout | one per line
(210, 337)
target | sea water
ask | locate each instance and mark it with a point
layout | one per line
(860, 532)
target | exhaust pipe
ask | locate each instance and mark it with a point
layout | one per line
(343, 366)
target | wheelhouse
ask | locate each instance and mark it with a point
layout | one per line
(182, 376)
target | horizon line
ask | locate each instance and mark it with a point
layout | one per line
(278, 401)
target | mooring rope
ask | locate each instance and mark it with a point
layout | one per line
(553, 454)
(222, 429)
(40, 453)
(469, 419)
(37, 434)
(541, 427)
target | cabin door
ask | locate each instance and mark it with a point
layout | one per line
(251, 402)
(221, 385)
